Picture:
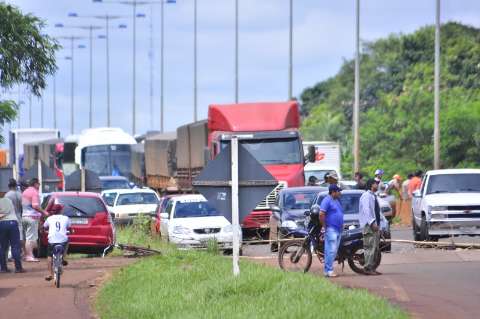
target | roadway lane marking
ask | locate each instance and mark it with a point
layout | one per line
(400, 293)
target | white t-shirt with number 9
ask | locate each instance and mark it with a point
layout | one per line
(57, 226)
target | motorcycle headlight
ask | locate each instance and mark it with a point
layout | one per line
(181, 230)
(289, 224)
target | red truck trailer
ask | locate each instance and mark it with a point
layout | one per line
(269, 131)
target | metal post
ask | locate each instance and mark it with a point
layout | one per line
(436, 129)
(72, 116)
(356, 105)
(236, 51)
(19, 118)
(235, 207)
(150, 56)
(290, 62)
(82, 179)
(161, 63)
(107, 25)
(54, 101)
(42, 109)
(134, 67)
(195, 60)
(40, 175)
(30, 110)
(90, 110)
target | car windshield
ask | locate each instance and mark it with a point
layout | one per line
(109, 198)
(115, 184)
(273, 151)
(137, 198)
(298, 200)
(194, 209)
(349, 202)
(453, 183)
(81, 206)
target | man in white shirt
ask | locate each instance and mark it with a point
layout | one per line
(57, 225)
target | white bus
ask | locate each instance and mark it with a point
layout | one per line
(105, 151)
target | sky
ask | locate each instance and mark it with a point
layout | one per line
(323, 37)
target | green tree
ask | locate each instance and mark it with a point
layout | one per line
(27, 56)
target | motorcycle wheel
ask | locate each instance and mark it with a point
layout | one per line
(356, 260)
(293, 256)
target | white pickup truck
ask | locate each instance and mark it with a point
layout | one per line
(447, 204)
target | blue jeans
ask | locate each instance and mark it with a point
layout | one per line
(332, 242)
(9, 235)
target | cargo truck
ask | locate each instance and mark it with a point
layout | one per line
(327, 159)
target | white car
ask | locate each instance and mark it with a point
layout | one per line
(190, 222)
(126, 204)
(447, 204)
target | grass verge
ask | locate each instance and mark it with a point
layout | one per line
(192, 284)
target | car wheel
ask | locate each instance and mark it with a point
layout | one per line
(423, 230)
(416, 235)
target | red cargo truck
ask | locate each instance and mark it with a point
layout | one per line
(269, 131)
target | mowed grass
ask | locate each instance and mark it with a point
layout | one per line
(181, 284)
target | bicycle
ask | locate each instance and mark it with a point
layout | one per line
(57, 263)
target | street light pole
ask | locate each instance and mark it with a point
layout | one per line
(436, 129)
(54, 101)
(195, 60)
(236, 51)
(356, 105)
(290, 62)
(134, 6)
(151, 57)
(72, 123)
(90, 110)
(162, 26)
(42, 109)
(30, 110)
(107, 27)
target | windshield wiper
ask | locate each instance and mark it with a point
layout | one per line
(438, 192)
(78, 209)
(469, 190)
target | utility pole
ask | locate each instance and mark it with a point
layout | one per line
(236, 51)
(194, 60)
(436, 129)
(42, 109)
(134, 84)
(151, 57)
(162, 35)
(54, 101)
(356, 105)
(30, 110)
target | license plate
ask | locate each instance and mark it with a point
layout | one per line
(79, 221)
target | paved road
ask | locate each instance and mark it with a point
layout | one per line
(28, 295)
(428, 283)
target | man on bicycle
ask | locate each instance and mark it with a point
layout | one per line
(57, 225)
(331, 217)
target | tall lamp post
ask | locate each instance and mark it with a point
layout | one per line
(356, 105)
(72, 40)
(162, 49)
(236, 51)
(290, 54)
(90, 29)
(436, 125)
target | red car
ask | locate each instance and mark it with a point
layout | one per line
(160, 209)
(92, 225)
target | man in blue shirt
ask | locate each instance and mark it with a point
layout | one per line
(331, 217)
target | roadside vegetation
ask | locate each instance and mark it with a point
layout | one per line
(396, 102)
(195, 284)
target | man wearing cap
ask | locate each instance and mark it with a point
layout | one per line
(378, 177)
(331, 217)
(369, 217)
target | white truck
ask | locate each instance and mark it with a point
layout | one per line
(447, 204)
(327, 159)
(19, 137)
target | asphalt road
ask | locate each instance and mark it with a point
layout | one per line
(428, 283)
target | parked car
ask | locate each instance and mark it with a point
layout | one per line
(126, 204)
(190, 222)
(292, 202)
(92, 226)
(114, 182)
(162, 205)
(350, 201)
(447, 204)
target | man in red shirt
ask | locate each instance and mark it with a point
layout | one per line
(415, 183)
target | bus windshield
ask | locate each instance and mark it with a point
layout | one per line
(273, 151)
(107, 160)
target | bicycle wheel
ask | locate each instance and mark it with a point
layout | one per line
(293, 256)
(356, 260)
(56, 277)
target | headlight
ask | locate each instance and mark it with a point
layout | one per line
(289, 224)
(437, 208)
(438, 216)
(181, 230)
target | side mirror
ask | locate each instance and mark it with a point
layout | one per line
(417, 193)
(276, 212)
(164, 216)
(310, 158)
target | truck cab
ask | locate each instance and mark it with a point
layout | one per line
(447, 204)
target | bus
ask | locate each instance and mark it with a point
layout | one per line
(105, 151)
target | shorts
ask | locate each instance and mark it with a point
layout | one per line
(50, 247)
(30, 227)
(20, 230)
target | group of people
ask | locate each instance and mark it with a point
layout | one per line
(20, 214)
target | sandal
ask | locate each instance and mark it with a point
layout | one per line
(48, 278)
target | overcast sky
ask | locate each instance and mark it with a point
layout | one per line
(323, 38)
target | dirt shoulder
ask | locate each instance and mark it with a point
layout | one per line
(28, 295)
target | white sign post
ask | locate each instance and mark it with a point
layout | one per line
(235, 206)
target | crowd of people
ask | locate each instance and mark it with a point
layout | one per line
(20, 213)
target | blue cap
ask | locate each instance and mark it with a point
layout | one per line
(334, 188)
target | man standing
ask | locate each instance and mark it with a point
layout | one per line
(9, 236)
(32, 212)
(16, 197)
(405, 186)
(370, 221)
(415, 183)
(331, 217)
